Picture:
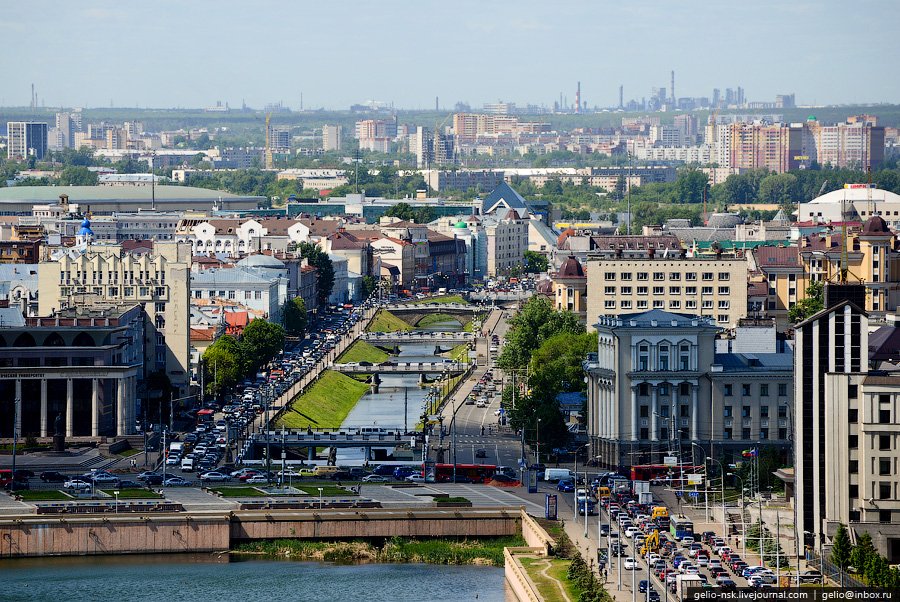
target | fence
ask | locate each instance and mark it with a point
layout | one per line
(834, 572)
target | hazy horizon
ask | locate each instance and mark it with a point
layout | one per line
(191, 55)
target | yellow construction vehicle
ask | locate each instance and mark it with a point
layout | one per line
(651, 544)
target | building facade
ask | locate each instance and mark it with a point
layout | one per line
(711, 288)
(26, 139)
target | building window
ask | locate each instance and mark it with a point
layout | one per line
(684, 389)
(706, 290)
(664, 358)
(884, 442)
(198, 294)
(724, 290)
(852, 391)
(763, 411)
(626, 304)
(782, 389)
(884, 466)
(782, 434)
(722, 318)
(626, 276)
(763, 433)
(884, 490)
(232, 294)
(609, 304)
(645, 411)
(645, 433)
(724, 276)
(852, 415)
(643, 389)
(690, 304)
(854, 469)
(884, 416)
(626, 290)
(247, 295)
(685, 412)
(642, 304)
(690, 290)
(853, 441)
(745, 389)
(853, 491)
(642, 275)
(692, 276)
(728, 412)
(728, 390)
(658, 276)
(707, 276)
(257, 294)
(745, 434)
(659, 290)
(684, 358)
(726, 434)
(764, 392)
(609, 276)
(885, 516)
(608, 290)
(674, 290)
(724, 304)
(642, 290)
(659, 304)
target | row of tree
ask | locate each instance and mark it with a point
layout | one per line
(549, 346)
(230, 359)
(864, 559)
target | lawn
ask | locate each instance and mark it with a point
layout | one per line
(325, 404)
(327, 490)
(360, 351)
(129, 452)
(385, 321)
(458, 353)
(240, 491)
(548, 589)
(438, 318)
(444, 299)
(134, 494)
(43, 495)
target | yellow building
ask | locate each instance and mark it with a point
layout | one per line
(570, 288)
(872, 259)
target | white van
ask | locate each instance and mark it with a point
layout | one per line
(555, 474)
(187, 465)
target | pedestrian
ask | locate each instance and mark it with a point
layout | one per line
(482, 430)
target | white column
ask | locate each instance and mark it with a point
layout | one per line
(132, 404)
(695, 421)
(654, 408)
(120, 407)
(70, 409)
(634, 414)
(43, 407)
(95, 408)
(18, 401)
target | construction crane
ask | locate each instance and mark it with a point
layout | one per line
(270, 164)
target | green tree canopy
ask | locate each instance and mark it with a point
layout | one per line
(325, 270)
(690, 184)
(813, 303)
(536, 322)
(779, 188)
(224, 364)
(841, 547)
(261, 341)
(536, 263)
(77, 176)
(294, 316)
(862, 552)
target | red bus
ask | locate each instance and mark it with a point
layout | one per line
(477, 473)
(654, 472)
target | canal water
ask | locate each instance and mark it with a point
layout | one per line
(174, 578)
(399, 394)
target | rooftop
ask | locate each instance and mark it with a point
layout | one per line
(86, 194)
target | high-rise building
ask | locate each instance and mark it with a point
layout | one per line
(67, 124)
(776, 147)
(858, 143)
(688, 125)
(26, 139)
(332, 137)
(280, 139)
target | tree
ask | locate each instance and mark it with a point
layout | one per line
(780, 189)
(260, 342)
(294, 316)
(841, 548)
(737, 188)
(690, 184)
(77, 176)
(224, 364)
(536, 263)
(369, 284)
(813, 303)
(324, 268)
(536, 322)
(862, 552)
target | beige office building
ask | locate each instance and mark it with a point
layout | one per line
(712, 288)
(98, 275)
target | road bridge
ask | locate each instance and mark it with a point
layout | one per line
(413, 313)
(401, 338)
(447, 367)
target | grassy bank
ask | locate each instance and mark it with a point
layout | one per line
(385, 321)
(360, 351)
(43, 495)
(458, 353)
(325, 404)
(134, 494)
(548, 574)
(444, 299)
(438, 318)
(488, 551)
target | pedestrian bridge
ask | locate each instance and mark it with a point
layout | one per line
(402, 368)
(436, 338)
(413, 313)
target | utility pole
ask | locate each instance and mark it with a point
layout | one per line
(16, 412)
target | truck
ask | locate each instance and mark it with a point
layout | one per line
(175, 448)
(685, 582)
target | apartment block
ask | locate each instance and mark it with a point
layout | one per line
(26, 139)
(710, 288)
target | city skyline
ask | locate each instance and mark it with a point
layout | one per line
(269, 53)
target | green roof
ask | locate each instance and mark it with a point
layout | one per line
(85, 194)
(727, 245)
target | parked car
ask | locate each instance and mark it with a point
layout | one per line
(52, 476)
(77, 485)
(415, 478)
(374, 478)
(810, 576)
(129, 484)
(630, 564)
(256, 479)
(568, 486)
(177, 482)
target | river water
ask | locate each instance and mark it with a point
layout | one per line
(398, 394)
(198, 578)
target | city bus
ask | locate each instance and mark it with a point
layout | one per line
(661, 472)
(476, 473)
(681, 527)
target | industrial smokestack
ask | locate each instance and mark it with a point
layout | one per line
(674, 102)
(621, 97)
(578, 98)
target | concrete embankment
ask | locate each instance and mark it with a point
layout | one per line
(217, 531)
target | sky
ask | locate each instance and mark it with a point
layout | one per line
(169, 53)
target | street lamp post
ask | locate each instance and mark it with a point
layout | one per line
(320, 497)
(743, 526)
(722, 473)
(705, 476)
(116, 493)
(537, 438)
(269, 393)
